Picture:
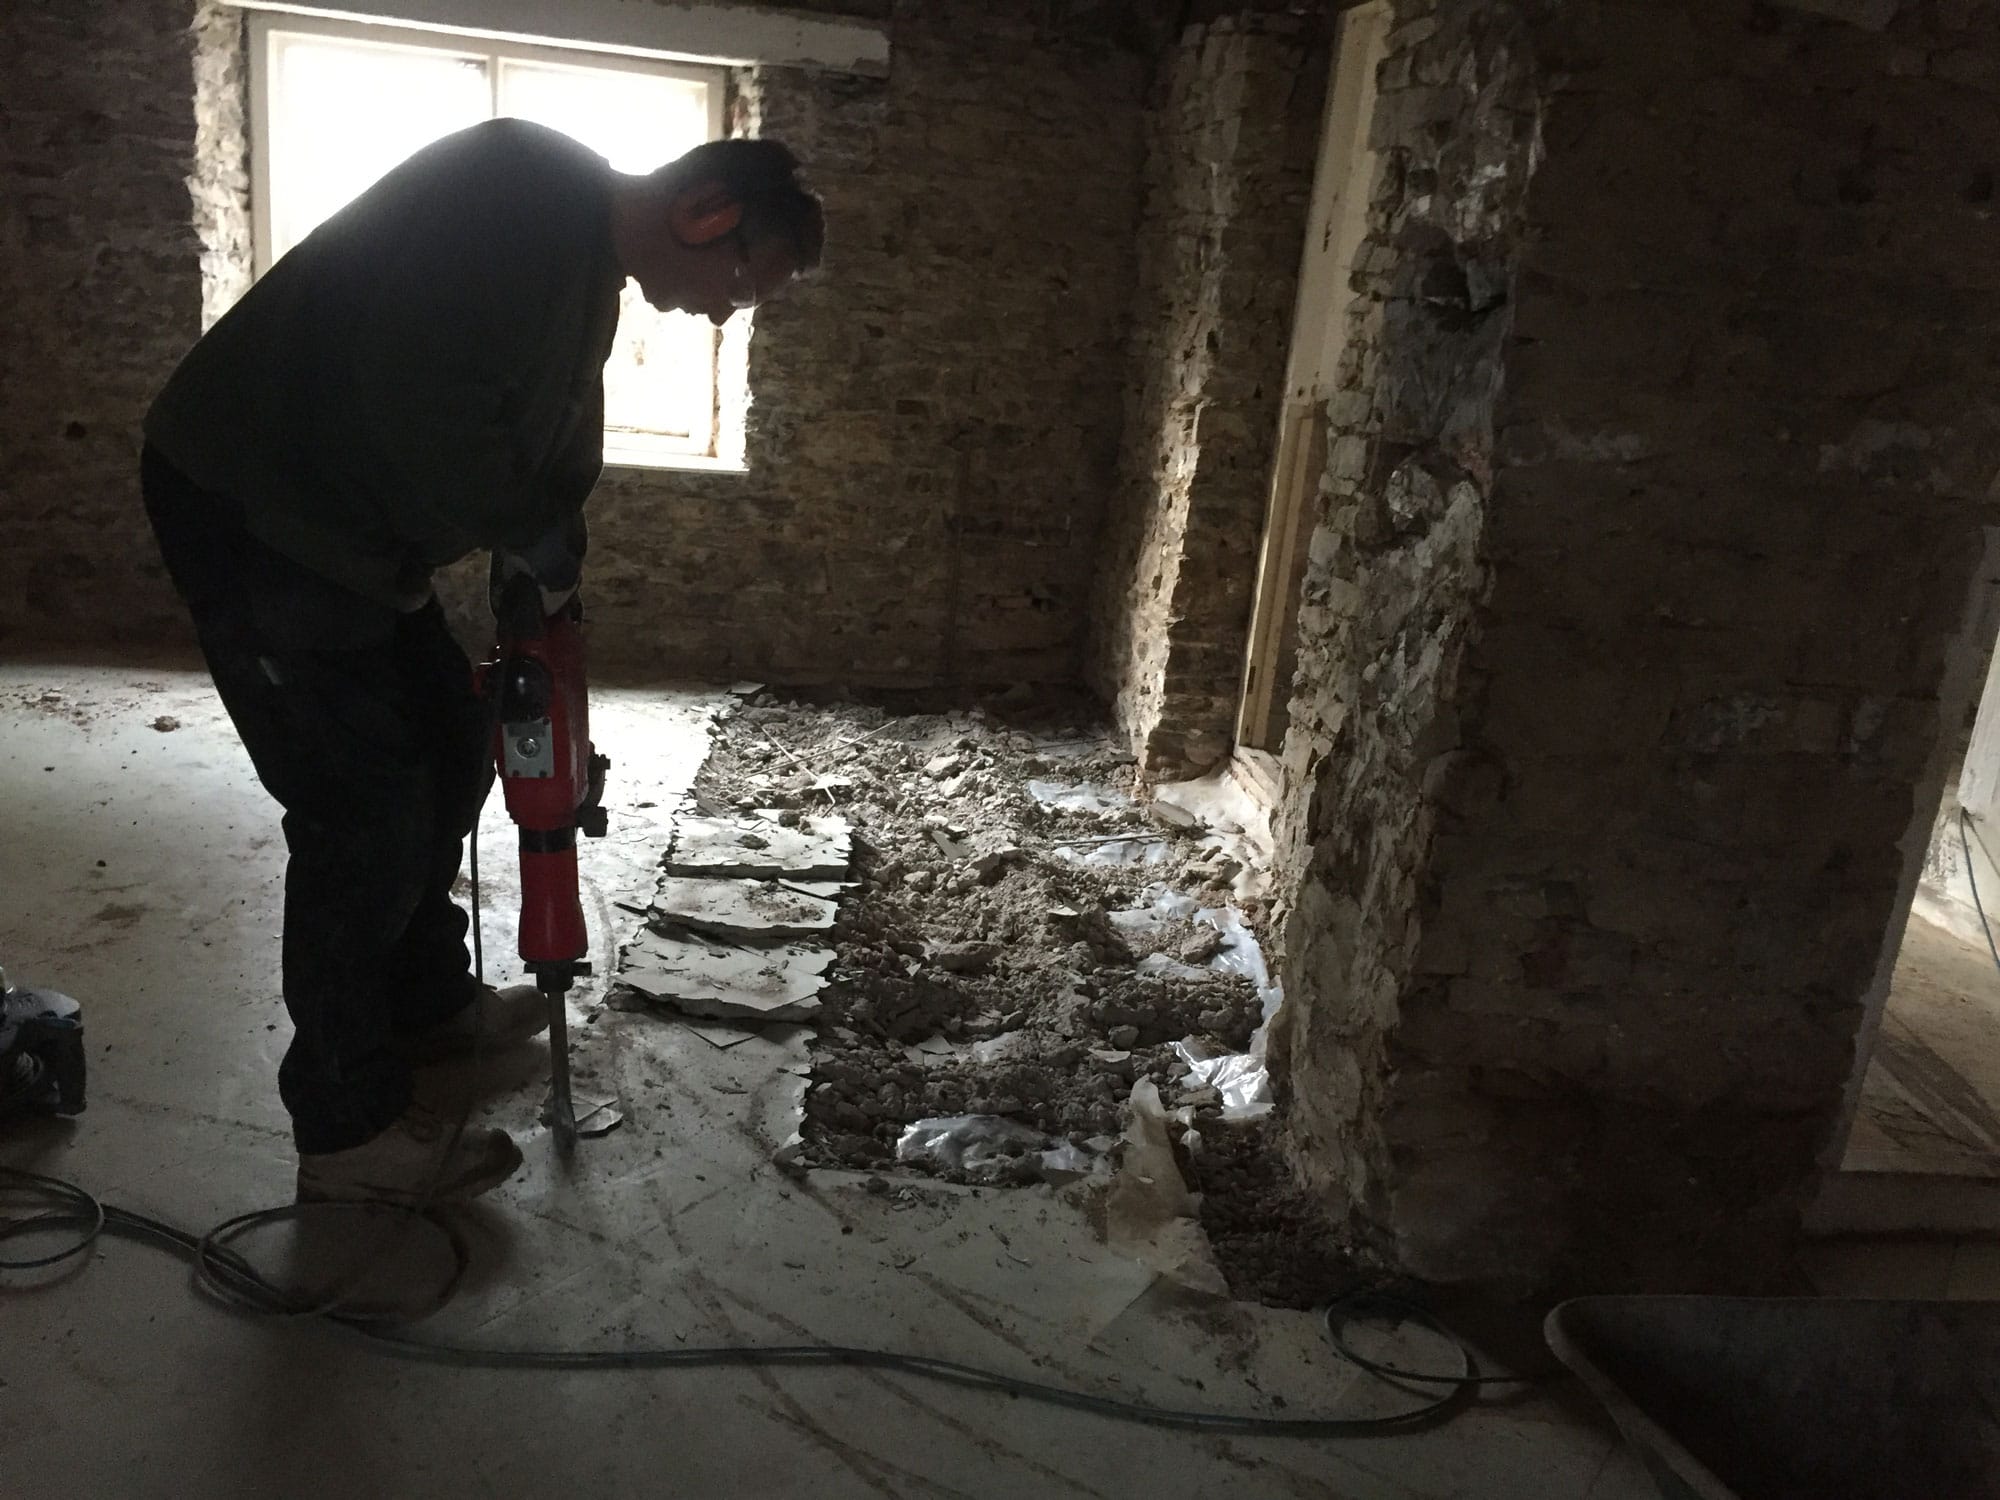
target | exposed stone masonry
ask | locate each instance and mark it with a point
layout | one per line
(220, 181)
(1228, 175)
(1657, 466)
(1648, 518)
(934, 422)
(101, 268)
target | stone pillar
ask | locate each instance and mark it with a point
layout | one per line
(1228, 175)
(1649, 512)
(220, 180)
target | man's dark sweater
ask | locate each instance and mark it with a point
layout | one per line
(422, 377)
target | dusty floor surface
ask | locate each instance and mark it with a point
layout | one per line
(1931, 1099)
(143, 873)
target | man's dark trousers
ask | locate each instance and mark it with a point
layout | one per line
(364, 725)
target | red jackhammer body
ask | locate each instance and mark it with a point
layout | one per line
(553, 782)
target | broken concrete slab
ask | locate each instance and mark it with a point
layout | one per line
(756, 910)
(755, 846)
(826, 890)
(702, 978)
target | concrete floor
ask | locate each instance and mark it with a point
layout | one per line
(1923, 1155)
(142, 870)
(1915, 1208)
(1930, 1101)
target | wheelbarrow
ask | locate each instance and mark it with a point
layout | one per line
(1780, 1398)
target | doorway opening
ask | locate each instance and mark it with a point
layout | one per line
(1336, 228)
(1921, 1148)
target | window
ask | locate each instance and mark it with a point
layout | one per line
(337, 104)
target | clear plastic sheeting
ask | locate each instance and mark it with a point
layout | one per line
(1241, 1078)
(1238, 829)
(1142, 849)
(1239, 954)
(1218, 802)
(1112, 808)
(990, 1149)
(1149, 1213)
(1164, 906)
(1082, 796)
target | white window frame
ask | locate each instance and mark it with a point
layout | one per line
(729, 346)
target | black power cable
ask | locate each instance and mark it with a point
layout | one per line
(1359, 1305)
(226, 1277)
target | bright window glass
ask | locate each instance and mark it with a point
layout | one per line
(344, 112)
(340, 104)
(624, 117)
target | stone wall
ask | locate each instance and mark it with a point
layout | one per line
(220, 181)
(101, 268)
(1648, 521)
(1396, 570)
(1229, 168)
(934, 422)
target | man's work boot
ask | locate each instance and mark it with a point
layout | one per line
(415, 1162)
(493, 1022)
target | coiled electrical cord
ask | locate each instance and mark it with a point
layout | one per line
(224, 1276)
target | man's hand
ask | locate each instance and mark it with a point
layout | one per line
(554, 562)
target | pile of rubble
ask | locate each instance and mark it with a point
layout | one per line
(994, 939)
(1024, 944)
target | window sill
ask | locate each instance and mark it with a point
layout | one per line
(673, 463)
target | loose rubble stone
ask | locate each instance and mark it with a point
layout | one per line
(964, 958)
(957, 991)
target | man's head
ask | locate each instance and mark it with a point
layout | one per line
(725, 227)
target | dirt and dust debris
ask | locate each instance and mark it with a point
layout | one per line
(1273, 1242)
(54, 703)
(1025, 942)
(82, 706)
